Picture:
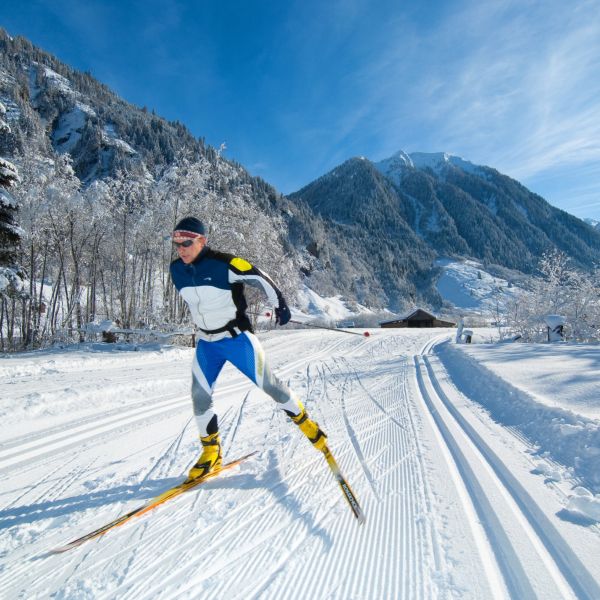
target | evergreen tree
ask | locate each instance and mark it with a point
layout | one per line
(10, 233)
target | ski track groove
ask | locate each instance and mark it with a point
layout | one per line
(223, 531)
(34, 488)
(137, 415)
(561, 562)
(273, 524)
(234, 428)
(166, 456)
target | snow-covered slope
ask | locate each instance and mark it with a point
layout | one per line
(467, 286)
(395, 166)
(593, 222)
(458, 504)
(328, 309)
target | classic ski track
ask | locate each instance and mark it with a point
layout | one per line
(71, 433)
(84, 420)
(162, 525)
(562, 565)
(289, 489)
(121, 508)
(297, 513)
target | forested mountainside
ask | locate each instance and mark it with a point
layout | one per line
(593, 223)
(442, 205)
(68, 132)
(96, 184)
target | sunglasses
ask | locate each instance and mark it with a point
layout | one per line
(185, 244)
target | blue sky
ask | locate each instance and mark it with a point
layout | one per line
(296, 87)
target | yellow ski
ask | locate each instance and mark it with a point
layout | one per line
(153, 503)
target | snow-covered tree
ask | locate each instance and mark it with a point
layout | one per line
(559, 289)
(12, 289)
(10, 233)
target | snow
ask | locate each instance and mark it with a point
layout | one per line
(4, 282)
(539, 371)
(555, 320)
(553, 401)
(70, 127)
(110, 138)
(6, 200)
(395, 165)
(57, 81)
(476, 466)
(6, 78)
(466, 285)
(313, 306)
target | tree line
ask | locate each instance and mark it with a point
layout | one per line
(103, 252)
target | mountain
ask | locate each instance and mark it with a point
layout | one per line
(366, 233)
(57, 113)
(66, 111)
(519, 224)
(593, 223)
(420, 206)
(378, 258)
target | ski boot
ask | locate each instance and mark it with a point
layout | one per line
(309, 428)
(210, 459)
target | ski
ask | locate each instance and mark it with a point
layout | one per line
(153, 503)
(346, 489)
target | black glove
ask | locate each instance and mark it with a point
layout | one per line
(282, 314)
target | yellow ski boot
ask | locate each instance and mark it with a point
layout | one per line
(210, 459)
(310, 429)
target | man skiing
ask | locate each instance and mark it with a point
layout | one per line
(212, 284)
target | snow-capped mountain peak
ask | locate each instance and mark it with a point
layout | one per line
(395, 166)
(593, 222)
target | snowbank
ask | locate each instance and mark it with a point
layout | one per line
(549, 395)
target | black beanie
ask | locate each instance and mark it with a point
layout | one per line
(191, 226)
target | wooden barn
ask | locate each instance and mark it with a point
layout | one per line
(418, 318)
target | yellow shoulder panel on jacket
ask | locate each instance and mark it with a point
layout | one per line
(240, 264)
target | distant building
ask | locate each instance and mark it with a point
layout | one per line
(418, 318)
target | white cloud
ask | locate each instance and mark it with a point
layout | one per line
(513, 84)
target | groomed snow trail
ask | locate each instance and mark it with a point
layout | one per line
(520, 534)
(443, 520)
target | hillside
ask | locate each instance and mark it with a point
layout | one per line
(368, 233)
(437, 204)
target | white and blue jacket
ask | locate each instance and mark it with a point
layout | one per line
(213, 288)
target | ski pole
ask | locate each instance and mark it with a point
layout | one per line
(365, 334)
(268, 314)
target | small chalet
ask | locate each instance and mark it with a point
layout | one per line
(418, 318)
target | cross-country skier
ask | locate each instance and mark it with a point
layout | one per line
(212, 284)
